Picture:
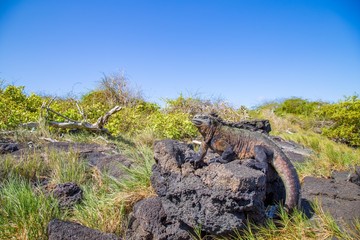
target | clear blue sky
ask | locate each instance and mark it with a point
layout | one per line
(242, 51)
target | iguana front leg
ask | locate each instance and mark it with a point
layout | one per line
(198, 160)
(262, 156)
(226, 150)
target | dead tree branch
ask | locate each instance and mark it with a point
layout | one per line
(98, 126)
(104, 119)
(72, 124)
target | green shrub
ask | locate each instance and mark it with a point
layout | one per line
(95, 104)
(345, 116)
(298, 106)
(172, 125)
(16, 107)
(131, 120)
(337, 121)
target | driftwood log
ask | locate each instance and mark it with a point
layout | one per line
(92, 127)
(98, 126)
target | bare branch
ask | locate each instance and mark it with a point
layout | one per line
(50, 102)
(81, 110)
(72, 124)
(77, 125)
(49, 139)
(196, 142)
(59, 114)
(104, 119)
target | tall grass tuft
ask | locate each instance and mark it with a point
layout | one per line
(328, 156)
(100, 211)
(60, 166)
(29, 166)
(107, 201)
(297, 226)
(67, 167)
(24, 214)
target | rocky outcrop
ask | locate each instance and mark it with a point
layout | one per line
(294, 151)
(217, 198)
(354, 176)
(149, 221)
(262, 126)
(348, 176)
(338, 195)
(65, 230)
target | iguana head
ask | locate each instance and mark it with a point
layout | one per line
(206, 124)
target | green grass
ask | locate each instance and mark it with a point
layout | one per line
(29, 166)
(100, 211)
(108, 201)
(59, 166)
(24, 213)
(328, 156)
(67, 167)
(298, 226)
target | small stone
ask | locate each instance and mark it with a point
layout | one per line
(8, 148)
(68, 194)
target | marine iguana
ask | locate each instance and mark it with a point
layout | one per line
(236, 143)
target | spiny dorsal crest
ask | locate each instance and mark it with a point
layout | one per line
(262, 126)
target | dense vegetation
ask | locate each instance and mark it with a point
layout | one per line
(332, 130)
(337, 121)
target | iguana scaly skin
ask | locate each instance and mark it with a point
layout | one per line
(235, 143)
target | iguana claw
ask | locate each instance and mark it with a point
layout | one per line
(217, 160)
(196, 161)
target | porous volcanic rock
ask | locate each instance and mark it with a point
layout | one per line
(65, 230)
(105, 158)
(8, 147)
(149, 221)
(354, 176)
(68, 194)
(294, 151)
(257, 125)
(217, 198)
(337, 196)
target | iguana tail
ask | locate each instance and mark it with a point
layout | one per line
(290, 178)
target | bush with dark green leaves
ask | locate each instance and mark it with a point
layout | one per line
(345, 118)
(339, 121)
(16, 107)
(173, 121)
(298, 106)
